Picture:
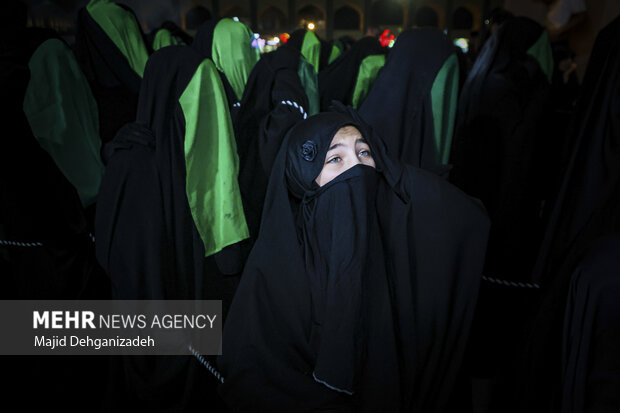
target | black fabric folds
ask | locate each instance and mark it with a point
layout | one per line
(585, 209)
(337, 81)
(273, 101)
(399, 104)
(357, 295)
(38, 205)
(591, 336)
(497, 154)
(113, 82)
(147, 240)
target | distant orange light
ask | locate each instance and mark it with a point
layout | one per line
(284, 37)
(310, 26)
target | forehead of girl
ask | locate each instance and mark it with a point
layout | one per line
(346, 136)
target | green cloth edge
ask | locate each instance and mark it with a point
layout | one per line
(334, 54)
(311, 49)
(444, 99)
(310, 82)
(541, 51)
(368, 71)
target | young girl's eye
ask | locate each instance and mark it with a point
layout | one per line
(363, 152)
(335, 159)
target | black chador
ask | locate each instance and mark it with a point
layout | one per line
(585, 209)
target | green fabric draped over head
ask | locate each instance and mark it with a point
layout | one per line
(164, 38)
(62, 114)
(334, 54)
(311, 49)
(368, 71)
(122, 28)
(310, 82)
(542, 52)
(444, 99)
(233, 54)
(211, 162)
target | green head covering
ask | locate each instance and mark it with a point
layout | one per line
(310, 82)
(211, 162)
(369, 68)
(62, 114)
(233, 54)
(334, 53)
(311, 49)
(541, 51)
(122, 28)
(164, 38)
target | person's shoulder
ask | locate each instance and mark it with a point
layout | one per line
(435, 193)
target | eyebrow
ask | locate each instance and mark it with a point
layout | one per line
(336, 145)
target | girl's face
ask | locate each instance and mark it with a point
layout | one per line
(347, 149)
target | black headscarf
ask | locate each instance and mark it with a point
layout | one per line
(586, 208)
(337, 82)
(357, 295)
(273, 101)
(147, 239)
(399, 104)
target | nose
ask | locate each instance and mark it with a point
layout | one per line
(353, 161)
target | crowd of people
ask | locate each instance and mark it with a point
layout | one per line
(386, 228)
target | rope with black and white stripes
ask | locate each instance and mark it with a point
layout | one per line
(32, 244)
(510, 283)
(301, 109)
(20, 244)
(208, 365)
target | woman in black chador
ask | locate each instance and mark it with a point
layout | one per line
(586, 209)
(412, 103)
(498, 157)
(359, 292)
(169, 206)
(498, 152)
